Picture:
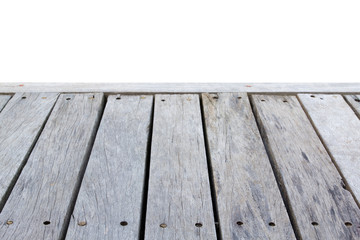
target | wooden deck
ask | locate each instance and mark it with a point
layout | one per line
(154, 166)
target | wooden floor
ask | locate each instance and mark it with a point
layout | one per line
(179, 166)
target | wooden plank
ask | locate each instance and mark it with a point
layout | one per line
(109, 202)
(354, 102)
(181, 87)
(339, 129)
(3, 100)
(320, 206)
(179, 199)
(40, 204)
(21, 122)
(249, 202)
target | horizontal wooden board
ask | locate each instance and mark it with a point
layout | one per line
(21, 122)
(249, 202)
(110, 199)
(179, 200)
(39, 206)
(3, 100)
(181, 87)
(320, 206)
(339, 129)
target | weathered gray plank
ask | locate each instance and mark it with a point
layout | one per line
(249, 201)
(109, 202)
(179, 200)
(21, 122)
(181, 87)
(354, 101)
(38, 206)
(339, 128)
(321, 207)
(3, 100)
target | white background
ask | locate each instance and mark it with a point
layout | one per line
(179, 41)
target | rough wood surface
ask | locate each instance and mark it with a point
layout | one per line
(354, 101)
(321, 207)
(181, 87)
(249, 201)
(21, 122)
(339, 128)
(109, 201)
(39, 204)
(179, 199)
(3, 100)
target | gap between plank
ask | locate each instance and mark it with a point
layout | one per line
(210, 174)
(23, 163)
(146, 175)
(351, 106)
(274, 166)
(347, 186)
(10, 99)
(82, 171)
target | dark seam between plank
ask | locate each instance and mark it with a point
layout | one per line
(147, 175)
(278, 177)
(210, 174)
(347, 186)
(26, 158)
(351, 105)
(10, 97)
(85, 161)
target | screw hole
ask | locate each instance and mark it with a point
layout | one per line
(312, 96)
(357, 100)
(262, 100)
(83, 223)
(118, 98)
(315, 223)
(348, 224)
(23, 97)
(163, 100)
(9, 222)
(46, 222)
(272, 224)
(285, 101)
(123, 223)
(239, 223)
(163, 225)
(239, 97)
(198, 224)
(215, 97)
(68, 98)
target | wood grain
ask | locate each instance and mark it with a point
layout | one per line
(109, 202)
(354, 102)
(182, 87)
(21, 122)
(249, 201)
(3, 100)
(321, 207)
(339, 129)
(179, 200)
(39, 205)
